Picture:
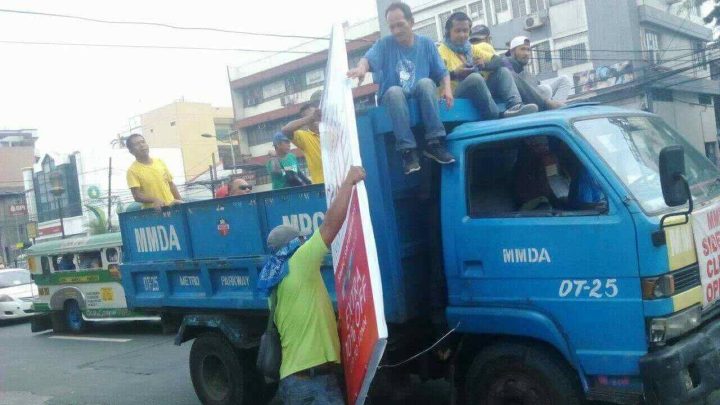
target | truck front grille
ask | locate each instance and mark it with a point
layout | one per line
(686, 278)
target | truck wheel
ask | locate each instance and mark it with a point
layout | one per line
(219, 374)
(520, 374)
(73, 317)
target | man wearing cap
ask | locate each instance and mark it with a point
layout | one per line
(283, 167)
(304, 133)
(304, 314)
(411, 68)
(469, 79)
(556, 89)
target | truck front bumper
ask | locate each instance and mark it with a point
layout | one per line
(687, 371)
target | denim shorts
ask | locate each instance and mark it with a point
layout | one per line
(317, 390)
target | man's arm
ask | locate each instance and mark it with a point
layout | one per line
(292, 126)
(335, 215)
(359, 71)
(175, 193)
(447, 94)
(140, 197)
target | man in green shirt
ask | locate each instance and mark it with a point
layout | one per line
(283, 167)
(304, 314)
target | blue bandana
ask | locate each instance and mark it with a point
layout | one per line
(465, 49)
(276, 267)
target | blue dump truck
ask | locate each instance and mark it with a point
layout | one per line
(559, 247)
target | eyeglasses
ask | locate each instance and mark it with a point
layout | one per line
(248, 187)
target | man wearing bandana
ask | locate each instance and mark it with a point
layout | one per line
(304, 314)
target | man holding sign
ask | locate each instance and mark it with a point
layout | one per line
(304, 314)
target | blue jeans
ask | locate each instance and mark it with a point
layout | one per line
(500, 84)
(317, 390)
(395, 101)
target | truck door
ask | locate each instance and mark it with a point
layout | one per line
(536, 227)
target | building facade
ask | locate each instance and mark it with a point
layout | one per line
(641, 54)
(13, 226)
(182, 125)
(267, 98)
(17, 151)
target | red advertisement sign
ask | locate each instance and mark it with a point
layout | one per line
(358, 323)
(358, 285)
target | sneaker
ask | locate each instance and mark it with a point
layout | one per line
(437, 152)
(410, 160)
(520, 109)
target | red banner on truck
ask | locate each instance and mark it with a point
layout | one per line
(363, 331)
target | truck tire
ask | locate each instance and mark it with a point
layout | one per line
(220, 375)
(511, 373)
(73, 317)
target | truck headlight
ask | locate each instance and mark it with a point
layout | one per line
(6, 298)
(660, 330)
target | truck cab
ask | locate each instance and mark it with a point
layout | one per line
(550, 234)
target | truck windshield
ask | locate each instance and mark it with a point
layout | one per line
(631, 146)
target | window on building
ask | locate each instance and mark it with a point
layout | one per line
(253, 96)
(503, 12)
(273, 89)
(662, 95)
(477, 13)
(315, 76)
(699, 56)
(172, 123)
(530, 176)
(705, 99)
(462, 9)
(573, 55)
(426, 28)
(294, 83)
(443, 19)
(542, 58)
(263, 132)
(652, 46)
(533, 6)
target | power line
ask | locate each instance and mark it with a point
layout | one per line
(145, 46)
(157, 24)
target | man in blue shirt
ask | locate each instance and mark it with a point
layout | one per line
(410, 66)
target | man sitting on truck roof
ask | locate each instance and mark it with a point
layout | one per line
(466, 61)
(148, 178)
(304, 314)
(283, 167)
(410, 66)
(304, 133)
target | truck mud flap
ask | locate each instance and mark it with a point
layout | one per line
(40, 322)
(685, 372)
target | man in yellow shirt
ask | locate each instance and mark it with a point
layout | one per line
(304, 133)
(304, 314)
(466, 63)
(149, 179)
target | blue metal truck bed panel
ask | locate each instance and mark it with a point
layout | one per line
(219, 245)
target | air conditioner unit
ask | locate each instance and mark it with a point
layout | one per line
(533, 21)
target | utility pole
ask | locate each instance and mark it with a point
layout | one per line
(109, 217)
(212, 178)
(382, 5)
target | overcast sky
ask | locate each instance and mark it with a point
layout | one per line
(78, 97)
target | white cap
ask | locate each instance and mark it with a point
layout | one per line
(517, 41)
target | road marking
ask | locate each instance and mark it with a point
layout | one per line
(90, 339)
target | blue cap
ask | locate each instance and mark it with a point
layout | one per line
(279, 138)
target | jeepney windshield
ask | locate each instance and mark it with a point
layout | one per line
(631, 146)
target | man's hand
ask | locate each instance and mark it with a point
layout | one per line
(176, 202)
(357, 73)
(462, 72)
(479, 62)
(157, 204)
(448, 97)
(355, 175)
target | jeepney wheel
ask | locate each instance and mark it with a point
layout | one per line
(220, 375)
(73, 317)
(518, 374)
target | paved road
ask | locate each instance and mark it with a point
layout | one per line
(115, 364)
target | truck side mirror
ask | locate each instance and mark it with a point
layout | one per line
(675, 187)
